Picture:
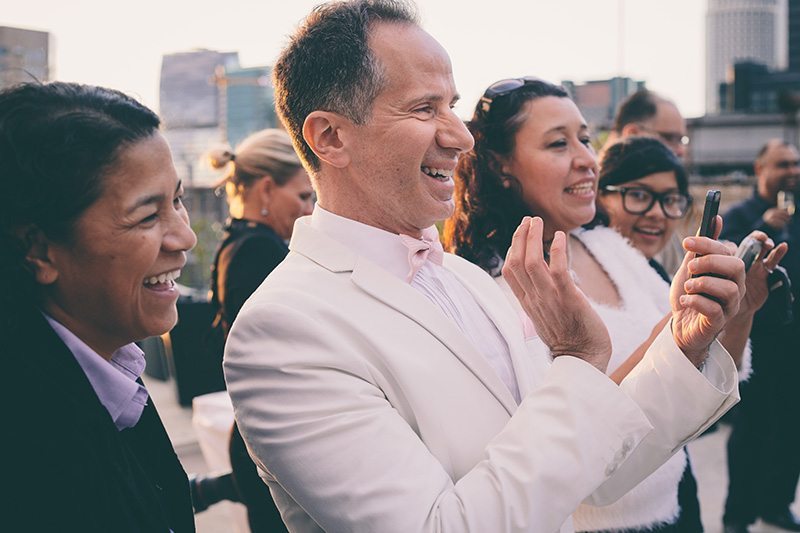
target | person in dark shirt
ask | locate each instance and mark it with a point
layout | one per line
(93, 235)
(764, 446)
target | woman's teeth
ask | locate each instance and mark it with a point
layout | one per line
(440, 174)
(163, 278)
(583, 188)
(650, 231)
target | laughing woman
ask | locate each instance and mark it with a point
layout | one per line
(93, 234)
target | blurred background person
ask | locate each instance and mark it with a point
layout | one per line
(94, 234)
(764, 445)
(533, 157)
(646, 113)
(267, 190)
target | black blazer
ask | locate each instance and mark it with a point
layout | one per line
(68, 468)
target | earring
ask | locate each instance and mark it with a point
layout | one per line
(264, 211)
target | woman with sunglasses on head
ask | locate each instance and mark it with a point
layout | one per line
(93, 235)
(533, 157)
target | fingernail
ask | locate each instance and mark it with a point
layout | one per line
(694, 264)
(689, 241)
(684, 299)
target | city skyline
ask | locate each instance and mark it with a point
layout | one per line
(576, 40)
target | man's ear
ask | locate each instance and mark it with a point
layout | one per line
(323, 130)
(628, 130)
(39, 254)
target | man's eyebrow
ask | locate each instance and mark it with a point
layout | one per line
(434, 97)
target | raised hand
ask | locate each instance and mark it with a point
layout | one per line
(756, 279)
(702, 306)
(563, 317)
(776, 218)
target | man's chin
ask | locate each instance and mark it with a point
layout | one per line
(446, 211)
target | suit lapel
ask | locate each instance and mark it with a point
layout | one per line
(405, 300)
(402, 298)
(504, 319)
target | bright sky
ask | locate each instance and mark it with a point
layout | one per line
(119, 44)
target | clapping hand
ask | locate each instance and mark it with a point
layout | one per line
(563, 317)
(702, 306)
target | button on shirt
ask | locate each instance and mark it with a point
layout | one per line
(433, 281)
(113, 381)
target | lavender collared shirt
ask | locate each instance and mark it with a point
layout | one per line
(113, 381)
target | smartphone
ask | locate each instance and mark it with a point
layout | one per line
(786, 201)
(710, 210)
(748, 251)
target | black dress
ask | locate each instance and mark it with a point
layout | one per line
(248, 253)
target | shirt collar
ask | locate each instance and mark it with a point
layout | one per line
(383, 248)
(113, 381)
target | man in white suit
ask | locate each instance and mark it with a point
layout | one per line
(384, 386)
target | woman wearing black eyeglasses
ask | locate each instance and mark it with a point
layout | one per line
(533, 157)
(643, 193)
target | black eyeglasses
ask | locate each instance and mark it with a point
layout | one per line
(787, 164)
(504, 87)
(638, 201)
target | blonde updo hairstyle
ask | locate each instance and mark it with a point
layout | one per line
(264, 153)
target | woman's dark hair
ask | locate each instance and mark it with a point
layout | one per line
(57, 141)
(633, 158)
(489, 204)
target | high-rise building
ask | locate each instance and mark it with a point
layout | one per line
(743, 30)
(189, 95)
(598, 99)
(794, 35)
(248, 101)
(24, 56)
(189, 105)
(756, 89)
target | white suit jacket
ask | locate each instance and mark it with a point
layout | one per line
(366, 409)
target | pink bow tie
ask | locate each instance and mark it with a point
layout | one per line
(428, 247)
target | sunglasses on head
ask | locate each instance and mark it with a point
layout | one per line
(503, 88)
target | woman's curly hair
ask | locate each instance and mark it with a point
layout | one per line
(489, 204)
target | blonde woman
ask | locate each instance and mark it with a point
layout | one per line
(267, 190)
